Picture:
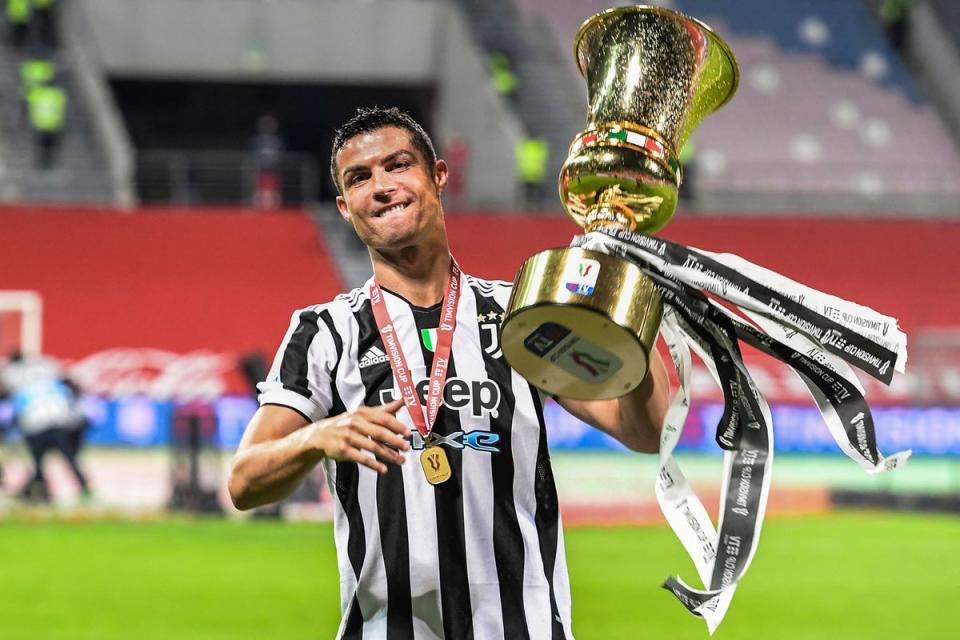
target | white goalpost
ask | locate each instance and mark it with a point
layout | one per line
(21, 322)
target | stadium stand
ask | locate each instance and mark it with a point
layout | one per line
(843, 33)
(310, 63)
(827, 117)
(933, 41)
(163, 292)
(549, 102)
(949, 14)
(79, 173)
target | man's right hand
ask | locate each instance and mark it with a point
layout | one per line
(347, 437)
(279, 447)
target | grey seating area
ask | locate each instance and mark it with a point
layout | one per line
(948, 12)
(834, 126)
(78, 173)
(803, 134)
(798, 125)
(550, 102)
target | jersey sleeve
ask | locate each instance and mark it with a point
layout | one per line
(303, 369)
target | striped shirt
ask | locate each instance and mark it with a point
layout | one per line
(479, 556)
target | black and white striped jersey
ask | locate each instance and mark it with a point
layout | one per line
(479, 556)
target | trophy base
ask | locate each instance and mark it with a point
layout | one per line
(581, 324)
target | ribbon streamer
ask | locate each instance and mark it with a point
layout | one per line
(816, 334)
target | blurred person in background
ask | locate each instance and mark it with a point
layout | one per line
(268, 148)
(47, 412)
(531, 156)
(44, 22)
(36, 71)
(502, 78)
(895, 14)
(47, 105)
(688, 160)
(447, 524)
(6, 429)
(18, 16)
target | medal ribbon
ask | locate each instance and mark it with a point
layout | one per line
(441, 357)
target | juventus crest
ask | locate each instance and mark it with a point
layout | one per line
(490, 333)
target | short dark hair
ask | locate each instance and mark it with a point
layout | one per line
(368, 119)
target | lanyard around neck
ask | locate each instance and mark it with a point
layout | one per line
(441, 357)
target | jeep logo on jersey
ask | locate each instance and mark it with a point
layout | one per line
(478, 440)
(482, 396)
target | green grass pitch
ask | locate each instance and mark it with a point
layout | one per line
(845, 575)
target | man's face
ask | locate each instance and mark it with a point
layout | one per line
(391, 195)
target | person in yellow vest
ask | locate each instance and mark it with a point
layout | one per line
(44, 23)
(35, 72)
(18, 15)
(532, 155)
(48, 110)
(502, 77)
(894, 15)
(688, 162)
(268, 149)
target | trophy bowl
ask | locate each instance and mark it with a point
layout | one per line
(652, 75)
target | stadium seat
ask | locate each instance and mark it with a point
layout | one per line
(824, 107)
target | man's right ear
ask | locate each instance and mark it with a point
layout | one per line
(342, 208)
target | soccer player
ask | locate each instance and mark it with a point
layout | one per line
(46, 410)
(446, 518)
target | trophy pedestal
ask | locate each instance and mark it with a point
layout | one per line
(581, 324)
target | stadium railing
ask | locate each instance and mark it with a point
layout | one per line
(220, 177)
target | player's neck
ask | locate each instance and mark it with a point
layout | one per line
(419, 273)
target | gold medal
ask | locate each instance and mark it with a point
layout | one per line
(435, 465)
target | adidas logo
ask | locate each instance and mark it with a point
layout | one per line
(374, 355)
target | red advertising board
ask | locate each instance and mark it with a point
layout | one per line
(150, 299)
(164, 301)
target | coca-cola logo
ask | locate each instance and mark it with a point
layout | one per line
(199, 375)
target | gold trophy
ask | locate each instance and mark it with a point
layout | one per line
(581, 324)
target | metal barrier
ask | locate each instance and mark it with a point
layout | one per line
(221, 177)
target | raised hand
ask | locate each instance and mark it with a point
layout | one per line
(346, 437)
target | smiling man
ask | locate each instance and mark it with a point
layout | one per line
(446, 520)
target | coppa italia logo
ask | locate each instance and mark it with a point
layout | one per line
(592, 365)
(580, 276)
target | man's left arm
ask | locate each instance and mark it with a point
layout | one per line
(635, 419)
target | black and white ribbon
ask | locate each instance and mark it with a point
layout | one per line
(818, 335)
